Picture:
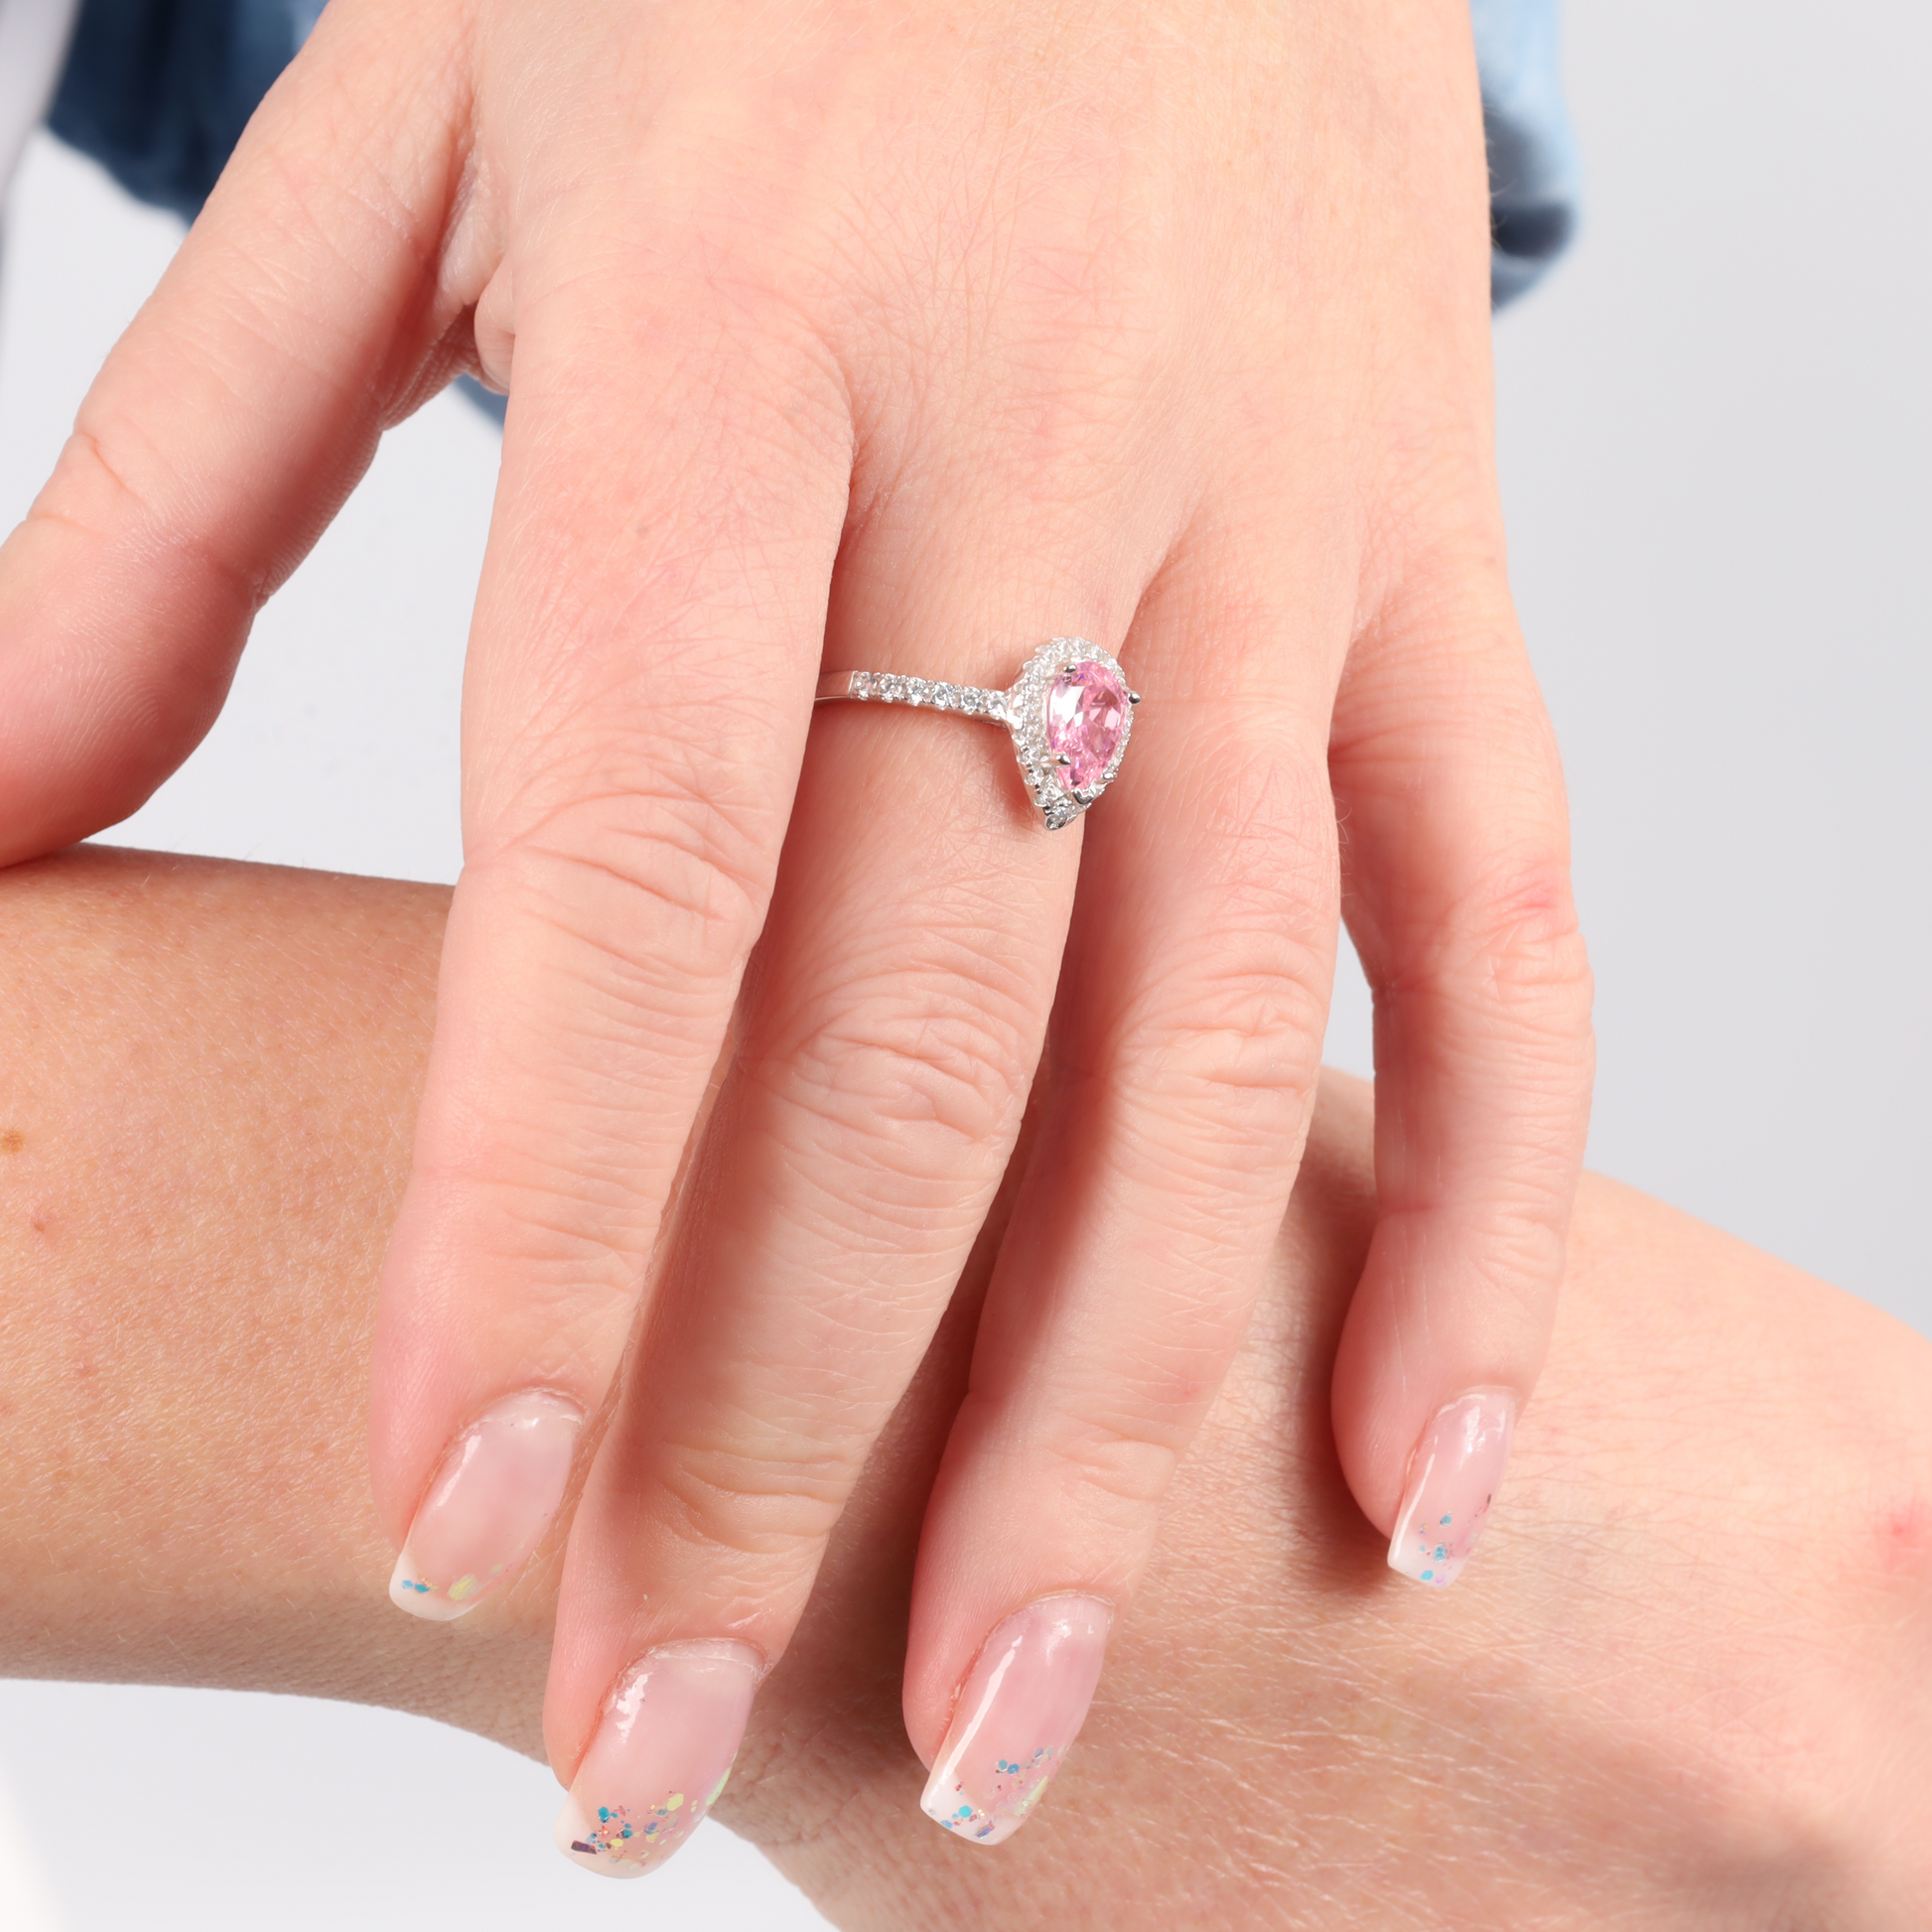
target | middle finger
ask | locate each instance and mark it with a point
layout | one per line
(888, 1034)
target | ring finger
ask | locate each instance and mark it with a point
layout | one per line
(1183, 1053)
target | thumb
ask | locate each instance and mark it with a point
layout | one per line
(230, 421)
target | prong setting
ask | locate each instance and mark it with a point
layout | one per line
(1025, 708)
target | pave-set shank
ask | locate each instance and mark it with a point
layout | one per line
(1070, 711)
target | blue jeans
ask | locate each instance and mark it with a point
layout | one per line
(158, 91)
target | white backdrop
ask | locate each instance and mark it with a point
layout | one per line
(1715, 426)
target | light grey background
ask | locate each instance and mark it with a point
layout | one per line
(1714, 428)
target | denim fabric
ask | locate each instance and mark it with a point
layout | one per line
(159, 91)
(1533, 171)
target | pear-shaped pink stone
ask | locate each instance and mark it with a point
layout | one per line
(1086, 713)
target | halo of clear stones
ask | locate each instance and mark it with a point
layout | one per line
(1021, 708)
(1026, 719)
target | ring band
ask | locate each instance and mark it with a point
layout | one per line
(1070, 711)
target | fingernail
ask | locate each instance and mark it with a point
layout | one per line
(660, 1757)
(1457, 1469)
(498, 1485)
(1023, 1704)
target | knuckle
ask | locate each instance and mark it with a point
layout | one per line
(1523, 946)
(1109, 1451)
(110, 477)
(1244, 1014)
(1222, 1067)
(919, 1069)
(766, 1495)
(1507, 1216)
(1519, 1246)
(1228, 1036)
(661, 881)
(1119, 1468)
(1219, 1041)
(106, 467)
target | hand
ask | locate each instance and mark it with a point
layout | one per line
(903, 337)
(1687, 1688)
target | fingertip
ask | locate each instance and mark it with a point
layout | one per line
(1439, 1317)
(1456, 1471)
(105, 690)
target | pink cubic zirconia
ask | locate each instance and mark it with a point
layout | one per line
(1086, 714)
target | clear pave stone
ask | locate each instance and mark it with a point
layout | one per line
(1086, 714)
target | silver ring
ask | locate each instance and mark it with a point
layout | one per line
(1071, 713)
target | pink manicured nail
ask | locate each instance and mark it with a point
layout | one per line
(660, 1757)
(499, 1484)
(1023, 1704)
(1457, 1469)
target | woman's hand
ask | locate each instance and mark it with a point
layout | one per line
(1687, 1688)
(864, 336)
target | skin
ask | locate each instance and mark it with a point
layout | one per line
(1686, 1685)
(848, 334)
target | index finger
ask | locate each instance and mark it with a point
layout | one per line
(303, 314)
